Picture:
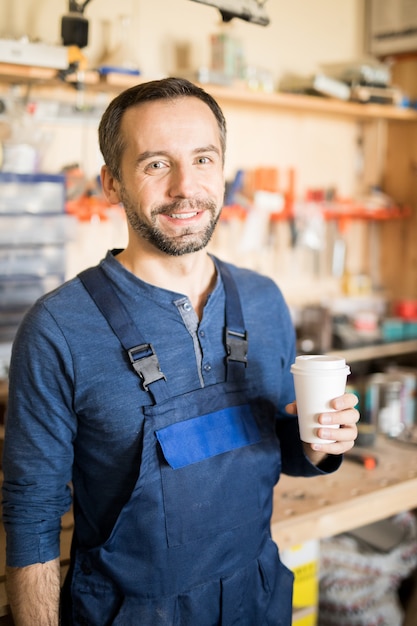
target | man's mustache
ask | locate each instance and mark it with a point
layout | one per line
(188, 206)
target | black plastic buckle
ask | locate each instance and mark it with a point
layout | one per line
(237, 346)
(146, 364)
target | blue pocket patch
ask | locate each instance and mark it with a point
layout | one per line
(203, 437)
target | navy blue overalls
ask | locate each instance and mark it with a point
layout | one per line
(192, 547)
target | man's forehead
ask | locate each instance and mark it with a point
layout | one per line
(171, 119)
(173, 105)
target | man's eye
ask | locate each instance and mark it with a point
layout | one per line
(156, 165)
(203, 160)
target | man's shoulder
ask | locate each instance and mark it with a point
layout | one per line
(70, 298)
(70, 291)
(67, 293)
(249, 280)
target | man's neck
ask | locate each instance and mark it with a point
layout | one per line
(193, 275)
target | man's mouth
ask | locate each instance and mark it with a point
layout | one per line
(183, 216)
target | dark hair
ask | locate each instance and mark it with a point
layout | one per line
(111, 140)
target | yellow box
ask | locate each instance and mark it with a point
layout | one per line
(305, 617)
(303, 561)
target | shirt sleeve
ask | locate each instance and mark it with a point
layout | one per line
(294, 461)
(40, 428)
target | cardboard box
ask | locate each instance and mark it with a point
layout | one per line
(21, 52)
(303, 561)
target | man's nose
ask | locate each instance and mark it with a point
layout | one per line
(183, 181)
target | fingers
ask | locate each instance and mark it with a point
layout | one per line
(347, 417)
(291, 408)
(344, 436)
(338, 447)
(344, 416)
(347, 401)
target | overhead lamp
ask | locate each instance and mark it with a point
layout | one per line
(248, 10)
(74, 26)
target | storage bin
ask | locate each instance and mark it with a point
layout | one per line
(36, 230)
(31, 193)
(35, 260)
(23, 291)
(9, 322)
(392, 329)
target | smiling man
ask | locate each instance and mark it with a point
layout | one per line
(179, 194)
(157, 397)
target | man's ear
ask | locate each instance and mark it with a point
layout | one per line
(109, 185)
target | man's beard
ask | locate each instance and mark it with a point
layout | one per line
(185, 242)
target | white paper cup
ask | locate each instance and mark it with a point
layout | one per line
(318, 379)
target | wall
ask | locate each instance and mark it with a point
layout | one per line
(301, 36)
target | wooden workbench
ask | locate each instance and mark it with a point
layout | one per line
(323, 506)
(3, 390)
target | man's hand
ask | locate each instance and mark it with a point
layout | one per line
(345, 416)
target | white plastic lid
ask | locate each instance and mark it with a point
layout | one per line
(309, 362)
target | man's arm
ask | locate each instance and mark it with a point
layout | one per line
(34, 592)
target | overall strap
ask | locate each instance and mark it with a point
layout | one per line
(141, 355)
(236, 336)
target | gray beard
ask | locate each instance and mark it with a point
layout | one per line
(188, 241)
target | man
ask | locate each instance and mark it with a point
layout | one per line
(171, 472)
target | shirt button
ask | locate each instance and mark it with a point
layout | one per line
(202, 333)
(187, 306)
(207, 367)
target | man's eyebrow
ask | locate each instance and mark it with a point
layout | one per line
(152, 154)
(210, 148)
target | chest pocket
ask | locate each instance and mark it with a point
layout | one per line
(209, 473)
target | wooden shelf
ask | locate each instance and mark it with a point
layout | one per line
(12, 73)
(377, 351)
(310, 104)
(352, 210)
(285, 101)
(235, 96)
(291, 102)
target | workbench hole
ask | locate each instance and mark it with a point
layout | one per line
(289, 512)
(355, 491)
(298, 494)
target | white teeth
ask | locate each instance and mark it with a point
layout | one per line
(183, 216)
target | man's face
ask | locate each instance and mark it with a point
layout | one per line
(172, 183)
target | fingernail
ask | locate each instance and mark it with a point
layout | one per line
(326, 433)
(325, 419)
